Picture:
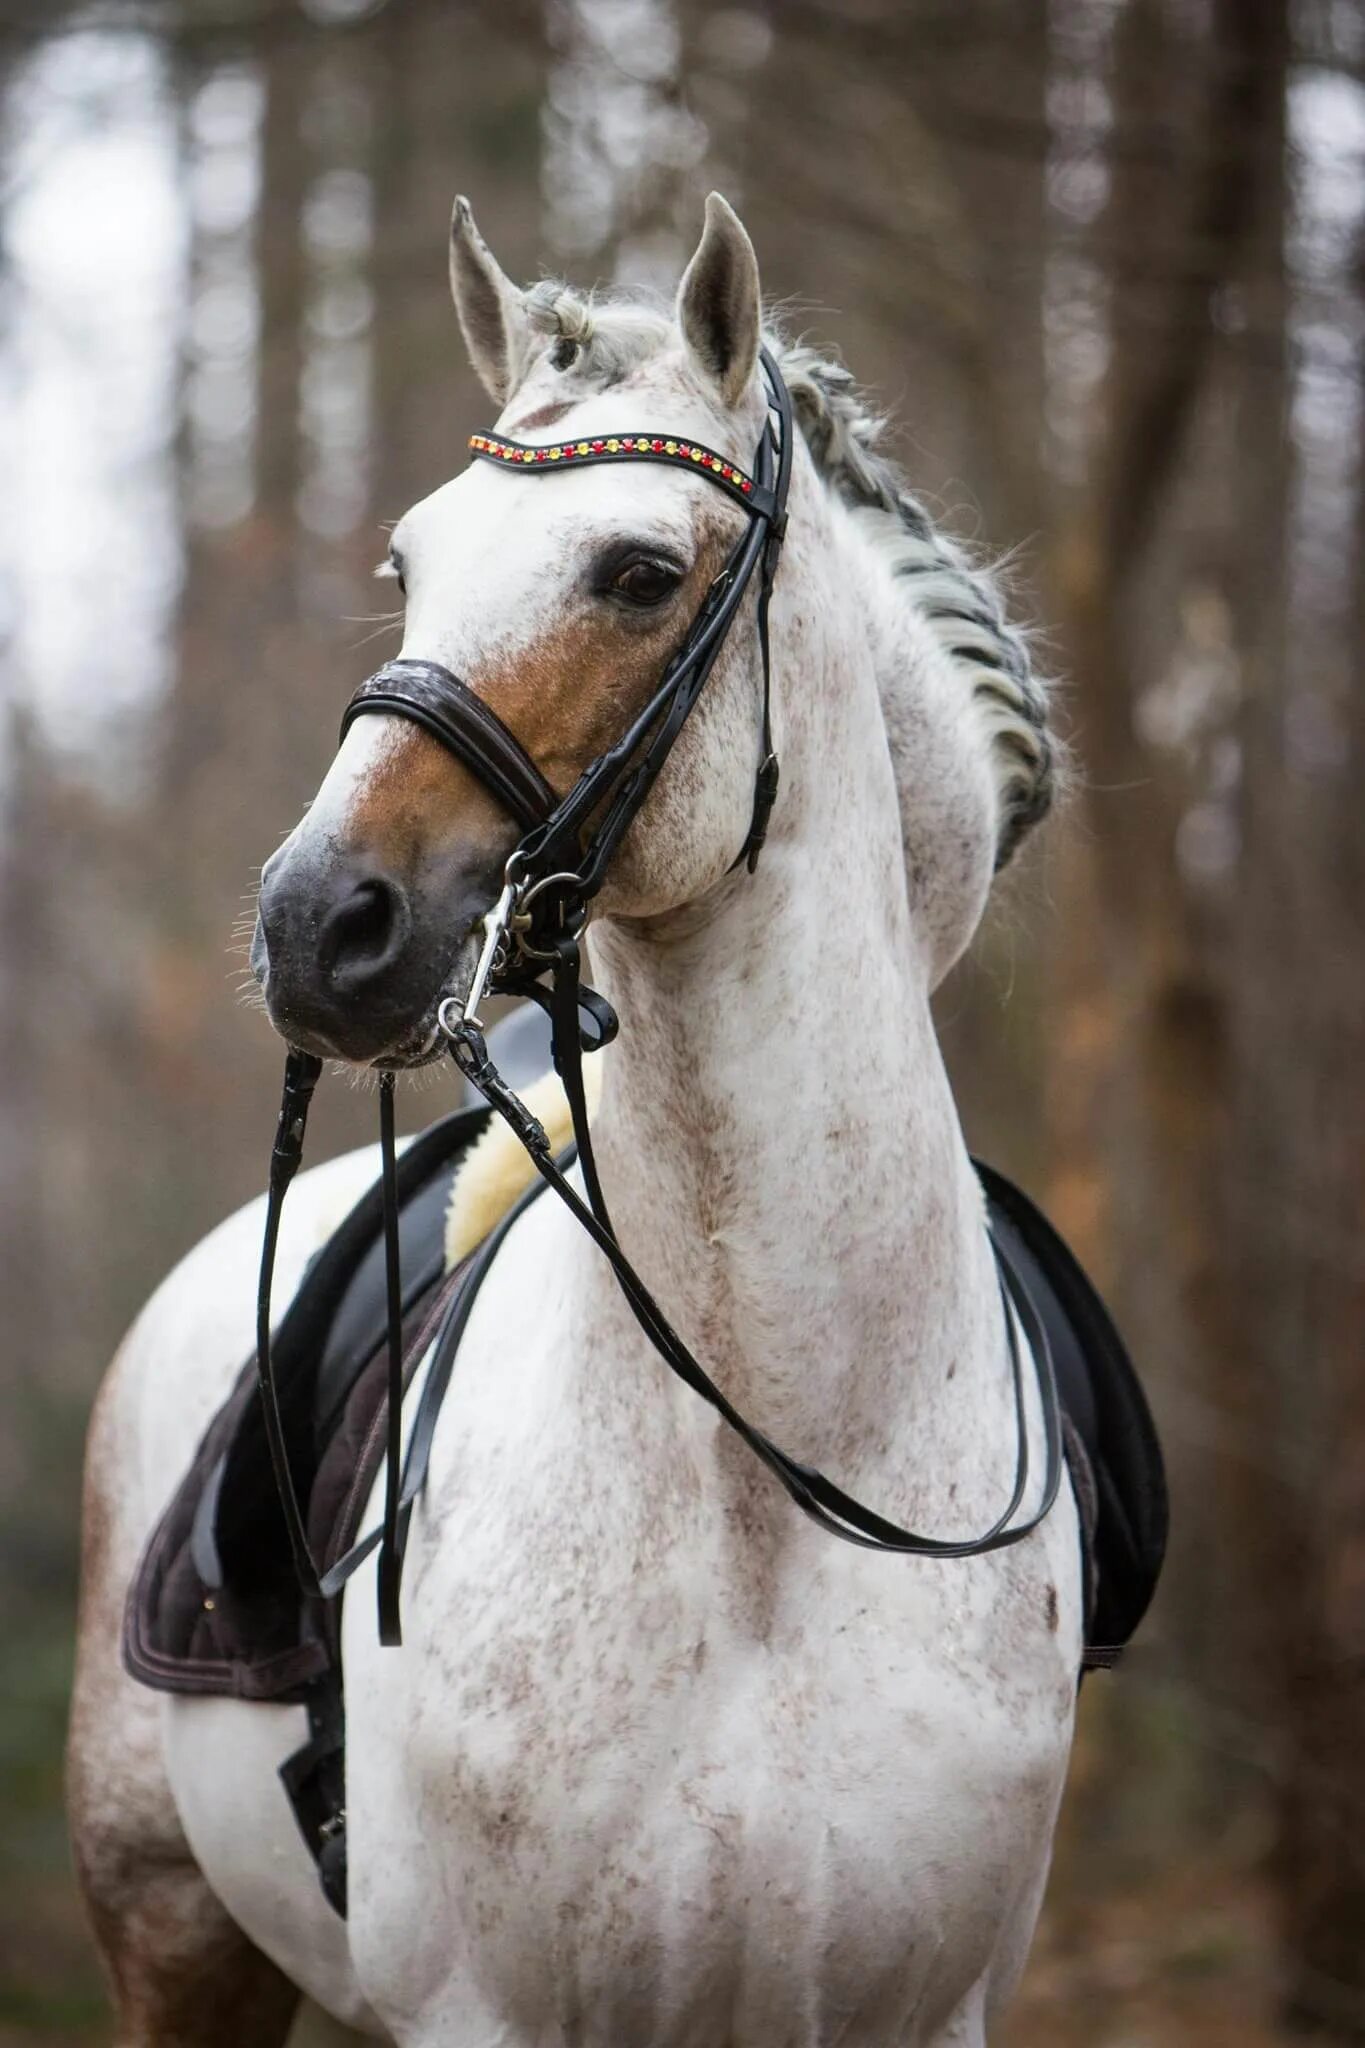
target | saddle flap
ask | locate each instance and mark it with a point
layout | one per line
(1104, 1404)
(214, 1607)
(320, 1345)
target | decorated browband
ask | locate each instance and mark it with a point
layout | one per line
(624, 448)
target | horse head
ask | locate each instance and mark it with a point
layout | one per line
(559, 609)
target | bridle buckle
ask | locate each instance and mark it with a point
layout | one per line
(563, 914)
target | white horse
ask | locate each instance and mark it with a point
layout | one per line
(658, 1762)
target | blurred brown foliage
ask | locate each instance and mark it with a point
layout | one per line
(1106, 260)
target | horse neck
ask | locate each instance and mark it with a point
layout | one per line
(777, 1138)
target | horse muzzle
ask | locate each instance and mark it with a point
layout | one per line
(352, 957)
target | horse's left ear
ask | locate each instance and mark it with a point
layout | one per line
(719, 310)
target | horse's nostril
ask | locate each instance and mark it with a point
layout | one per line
(362, 935)
(362, 924)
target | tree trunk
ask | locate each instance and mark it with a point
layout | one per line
(1321, 1858)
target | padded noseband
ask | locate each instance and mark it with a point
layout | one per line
(437, 700)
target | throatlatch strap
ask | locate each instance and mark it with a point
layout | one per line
(766, 780)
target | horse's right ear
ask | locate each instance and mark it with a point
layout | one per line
(492, 311)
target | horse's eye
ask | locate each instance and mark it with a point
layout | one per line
(564, 354)
(645, 582)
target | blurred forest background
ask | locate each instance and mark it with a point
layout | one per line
(1106, 261)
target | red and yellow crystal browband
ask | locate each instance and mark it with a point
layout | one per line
(620, 448)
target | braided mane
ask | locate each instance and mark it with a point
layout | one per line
(959, 596)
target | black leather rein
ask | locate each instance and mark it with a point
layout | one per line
(534, 931)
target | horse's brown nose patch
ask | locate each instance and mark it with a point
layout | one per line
(570, 693)
(418, 799)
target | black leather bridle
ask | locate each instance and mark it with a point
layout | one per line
(532, 947)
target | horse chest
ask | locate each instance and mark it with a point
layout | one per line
(652, 1771)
